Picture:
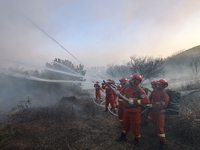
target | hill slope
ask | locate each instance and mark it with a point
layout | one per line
(176, 64)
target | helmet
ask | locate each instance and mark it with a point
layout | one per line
(163, 82)
(109, 80)
(136, 76)
(153, 82)
(123, 79)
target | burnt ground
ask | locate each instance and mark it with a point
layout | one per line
(78, 124)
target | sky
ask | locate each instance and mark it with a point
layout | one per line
(95, 32)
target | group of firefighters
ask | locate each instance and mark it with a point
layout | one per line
(128, 98)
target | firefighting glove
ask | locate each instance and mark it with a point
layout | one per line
(149, 105)
(163, 102)
(131, 101)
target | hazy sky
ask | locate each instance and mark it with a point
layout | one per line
(96, 32)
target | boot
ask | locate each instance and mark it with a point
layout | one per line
(137, 142)
(162, 146)
(106, 109)
(121, 138)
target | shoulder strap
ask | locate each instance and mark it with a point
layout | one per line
(138, 92)
(125, 87)
(163, 94)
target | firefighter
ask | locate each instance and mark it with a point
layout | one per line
(123, 81)
(154, 87)
(98, 88)
(132, 110)
(160, 100)
(109, 96)
(115, 95)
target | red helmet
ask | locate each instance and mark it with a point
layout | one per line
(136, 76)
(153, 82)
(163, 82)
(123, 79)
(109, 80)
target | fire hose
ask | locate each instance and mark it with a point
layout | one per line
(98, 104)
(119, 94)
(125, 98)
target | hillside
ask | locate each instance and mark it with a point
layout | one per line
(189, 52)
(76, 123)
(176, 64)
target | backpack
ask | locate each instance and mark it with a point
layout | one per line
(173, 107)
(145, 89)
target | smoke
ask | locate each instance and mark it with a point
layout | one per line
(96, 30)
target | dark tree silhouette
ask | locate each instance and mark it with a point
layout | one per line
(148, 67)
(118, 71)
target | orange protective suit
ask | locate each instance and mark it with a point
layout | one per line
(157, 112)
(120, 106)
(149, 118)
(115, 99)
(97, 91)
(132, 113)
(109, 97)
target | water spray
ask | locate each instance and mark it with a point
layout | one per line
(65, 67)
(50, 69)
(39, 79)
(58, 44)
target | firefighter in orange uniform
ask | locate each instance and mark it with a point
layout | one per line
(115, 95)
(132, 109)
(154, 87)
(123, 81)
(109, 95)
(160, 100)
(97, 91)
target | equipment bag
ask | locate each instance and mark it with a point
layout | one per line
(173, 107)
(146, 90)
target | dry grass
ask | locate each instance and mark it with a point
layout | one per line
(78, 124)
(187, 126)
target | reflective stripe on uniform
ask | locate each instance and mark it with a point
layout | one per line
(120, 100)
(149, 117)
(120, 120)
(131, 98)
(161, 135)
(124, 131)
(138, 136)
(139, 102)
(157, 102)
